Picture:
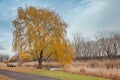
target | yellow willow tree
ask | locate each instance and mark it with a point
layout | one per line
(42, 33)
(25, 57)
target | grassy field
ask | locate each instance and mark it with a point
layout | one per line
(108, 68)
(67, 76)
(53, 74)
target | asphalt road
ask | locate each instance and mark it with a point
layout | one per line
(23, 76)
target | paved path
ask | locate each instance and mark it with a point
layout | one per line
(23, 76)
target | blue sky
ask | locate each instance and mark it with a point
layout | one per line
(86, 16)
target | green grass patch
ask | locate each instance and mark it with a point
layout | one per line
(66, 76)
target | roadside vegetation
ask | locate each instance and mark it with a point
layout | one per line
(4, 77)
(53, 74)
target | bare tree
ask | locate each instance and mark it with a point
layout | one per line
(106, 45)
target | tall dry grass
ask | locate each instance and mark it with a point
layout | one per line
(107, 68)
(2, 64)
(46, 64)
(114, 63)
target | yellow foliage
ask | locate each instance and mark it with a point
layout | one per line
(38, 30)
(25, 57)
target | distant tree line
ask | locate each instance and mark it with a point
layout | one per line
(105, 45)
(4, 57)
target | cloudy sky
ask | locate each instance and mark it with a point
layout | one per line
(86, 16)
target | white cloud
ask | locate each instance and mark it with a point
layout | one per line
(7, 52)
(94, 16)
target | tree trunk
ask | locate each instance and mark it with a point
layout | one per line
(40, 60)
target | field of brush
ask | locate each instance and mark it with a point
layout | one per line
(99, 68)
(109, 69)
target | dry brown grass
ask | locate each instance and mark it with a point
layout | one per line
(111, 74)
(2, 64)
(106, 68)
(115, 63)
(4, 77)
(52, 64)
(20, 69)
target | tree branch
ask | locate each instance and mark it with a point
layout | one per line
(44, 59)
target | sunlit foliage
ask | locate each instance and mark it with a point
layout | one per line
(25, 57)
(41, 31)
